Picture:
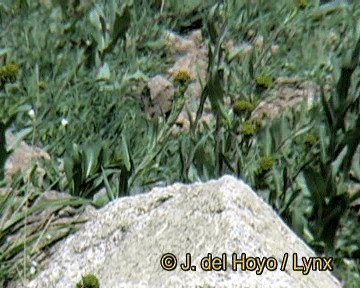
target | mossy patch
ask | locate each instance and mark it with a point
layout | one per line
(88, 281)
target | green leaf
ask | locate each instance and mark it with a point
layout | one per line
(6, 202)
(284, 129)
(347, 70)
(121, 24)
(316, 184)
(73, 169)
(203, 97)
(298, 221)
(4, 51)
(100, 199)
(92, 157)
(264, 137)
(125, 153)
(104, 72)
(329, 111)
(20, 136)
(277, 182)
(109, 191)
(355, 168)
(289, 200)
(95, 27)
(123, 183)
(355, 196)
(335, 209)
(301, 131)
(213, 33)
(94, 18)
(251, 65)
(53, 204)
(279, 131)
(352, 140)
(323, 143)
(216, 95)
(335, 166)
(323, 10)
(3, 152)
(68, 168)
(63, 4)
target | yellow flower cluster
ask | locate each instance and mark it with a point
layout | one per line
(301, 3)
(242, 106)
(310, 139)
(8, 72)
(182, 76)
(247, 128)
(42, 85)
(264, 80)
(265, 163)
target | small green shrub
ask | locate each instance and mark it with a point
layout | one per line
(88, 281)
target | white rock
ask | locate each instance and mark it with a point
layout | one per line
(124, 242)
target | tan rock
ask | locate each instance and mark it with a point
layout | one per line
(161, 96)
(190, 54)
(23, 157)
(287, 93)
(177, 43)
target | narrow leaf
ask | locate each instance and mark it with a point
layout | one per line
(121, 24)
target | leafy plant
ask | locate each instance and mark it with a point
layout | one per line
(11, 108)
(88, 281)
(23, 225)
(89, 166)
(340, 141)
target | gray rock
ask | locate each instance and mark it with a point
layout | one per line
(124, 242)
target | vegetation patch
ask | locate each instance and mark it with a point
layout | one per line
(71, 82)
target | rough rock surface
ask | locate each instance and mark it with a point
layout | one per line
(159, 102)
(123, 243)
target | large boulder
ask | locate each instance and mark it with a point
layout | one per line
(123, 243)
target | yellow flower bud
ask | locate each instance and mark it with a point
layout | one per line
(242, 105)
(309, 139)
(8, 72)
(182, 76)
(247, 128)
(263, 80)
(266, 163)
